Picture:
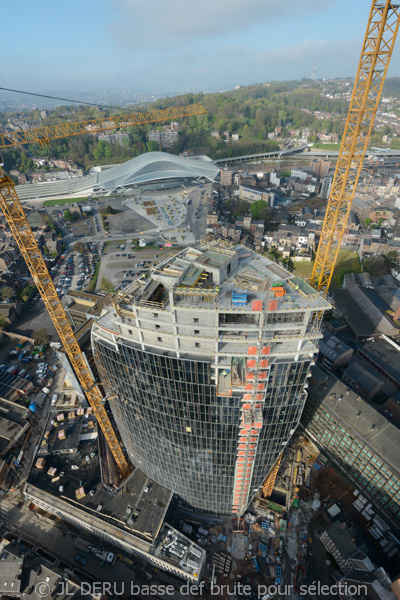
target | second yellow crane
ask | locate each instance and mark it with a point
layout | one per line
(382, 28)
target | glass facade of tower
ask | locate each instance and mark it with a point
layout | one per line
(284, 402)
(184, 436)
(206, 363)
(172, 424)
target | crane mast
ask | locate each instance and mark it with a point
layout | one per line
(18, 223)
(383, 24)
(43, 135)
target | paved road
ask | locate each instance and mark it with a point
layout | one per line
(35, 317)
(53, 538)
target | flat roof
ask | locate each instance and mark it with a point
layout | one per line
(357, 320)
(385, 355)
(8, 429)
(366, 422)
(138, 509)
(207, 275)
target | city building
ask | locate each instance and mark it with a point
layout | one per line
(275, 178)
(384, 357)
(333, 352)
(73, 477)
(252, 193)
(340, 542)
(362, 381)
(320, 168)
(206, 363)
(358, 439)
(226, 176)
(25, 574)
(326, 186)
(8, 253)
(122, 139)
(166, 138)
(300, 174)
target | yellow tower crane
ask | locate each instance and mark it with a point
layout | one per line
(43, 135)
(18, 223)
(382, 27)
(383, 24)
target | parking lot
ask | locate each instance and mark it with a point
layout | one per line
(120, 266)
(28, 373)
(75, 270)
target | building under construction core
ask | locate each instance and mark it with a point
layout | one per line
(205, 364)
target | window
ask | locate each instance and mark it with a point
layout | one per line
(159, 339)
(195, 320)
(130, 330)
(155, 315)
(196, 331)
(197, 345)
(157, 326)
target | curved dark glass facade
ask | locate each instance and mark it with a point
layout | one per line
(184, 436)
(172, 423)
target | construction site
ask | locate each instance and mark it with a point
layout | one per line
(198, 381)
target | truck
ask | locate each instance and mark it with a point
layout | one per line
(46, 391)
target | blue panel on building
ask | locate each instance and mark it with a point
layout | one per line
(239, 298)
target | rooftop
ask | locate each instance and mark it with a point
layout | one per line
(332, 346)
(10, 574)
(384, 354)
(358, 321)
(77, 478)
(342, 539)
(357, 414)
(155, 167)
(214, 274)
(362, 376)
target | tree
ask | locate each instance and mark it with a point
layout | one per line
(259, 210)
(79, 247)
(4, 322)
(375, 265)
(40, 336)
(27, 292)
(367, 222)
(391, 259)
(7, 292)
(68, 216)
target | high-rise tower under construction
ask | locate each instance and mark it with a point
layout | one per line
(205, 364)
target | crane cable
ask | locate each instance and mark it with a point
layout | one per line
(64, 99)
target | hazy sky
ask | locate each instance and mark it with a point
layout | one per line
(167, 45)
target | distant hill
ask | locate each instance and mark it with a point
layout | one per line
(392, 87)
(237, 122)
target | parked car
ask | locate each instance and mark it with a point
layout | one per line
(80, 559)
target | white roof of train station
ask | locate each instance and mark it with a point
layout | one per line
(148, 168)
(155, 167)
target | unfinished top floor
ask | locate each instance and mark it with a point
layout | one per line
(221, 276)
